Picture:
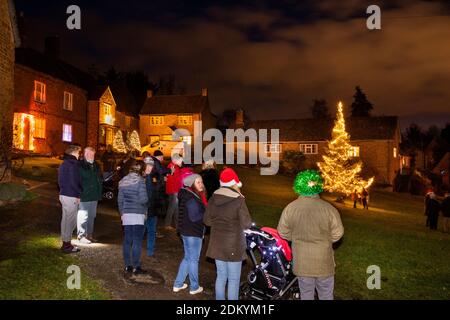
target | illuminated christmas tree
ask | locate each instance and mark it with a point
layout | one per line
(133, 142)
(339, 170)
(118, 144)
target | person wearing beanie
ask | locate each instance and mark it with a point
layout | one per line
(191, 200)
(227, 215)
(313, 225)
(173, 186)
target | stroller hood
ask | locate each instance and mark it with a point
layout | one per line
(223, 196)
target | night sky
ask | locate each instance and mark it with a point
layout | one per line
(269, 57)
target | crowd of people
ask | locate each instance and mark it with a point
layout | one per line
(190, 203)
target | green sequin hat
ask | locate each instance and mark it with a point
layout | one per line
(308, 183)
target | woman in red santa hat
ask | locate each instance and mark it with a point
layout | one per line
(228, 217)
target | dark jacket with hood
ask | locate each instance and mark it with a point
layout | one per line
(228, 216)
(190, 214)
(211, 181)
(132, 196)
(69, 178)
(91, 181)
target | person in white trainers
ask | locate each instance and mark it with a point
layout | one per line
(192, 202)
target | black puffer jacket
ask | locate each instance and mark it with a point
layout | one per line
(191, 211)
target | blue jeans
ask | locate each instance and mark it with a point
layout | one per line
(231, 272)
(132, 245)
(189, 264)
(87, 211)
(150, 225)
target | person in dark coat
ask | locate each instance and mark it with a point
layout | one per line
(133, 204)
(228, 216)
(152, 219)
(433, 209)
(158, 175)
(445, 207)
(365, 198)
(210, 177)
(91, 182)
(108, 160)
(191, 200)
(425, 203)
(69, 181)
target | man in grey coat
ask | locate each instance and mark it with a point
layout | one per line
(313, 225)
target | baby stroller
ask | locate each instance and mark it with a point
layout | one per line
(110, 184)
(271, 277)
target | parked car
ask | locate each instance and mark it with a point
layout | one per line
(167, 147)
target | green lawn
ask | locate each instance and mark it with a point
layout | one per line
(48, 169)
(414, 262)
(36, 269)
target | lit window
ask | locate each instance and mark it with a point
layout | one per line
(187, 139)
(395, 152)
(109, 136)
(353, 152)
(67, 133)
(153, 139)
(309, 148)
(39, 128)
(184, 120)
(273, 148)
(157, 121)
(39, 91)
(166, 137)
(68, 101)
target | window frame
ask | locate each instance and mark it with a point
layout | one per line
(351, 152)
(312, 147)
(160, 121)
(65, 133)
(187, 117)
(39, 130)
(42, 93)
(269, 148)
(69, 106)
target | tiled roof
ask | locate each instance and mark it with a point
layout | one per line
(361, 128)
(174, 104)
(54, 67)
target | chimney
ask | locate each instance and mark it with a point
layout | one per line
(52, 46)
(149, 93)
(204, 92)
(239, 118)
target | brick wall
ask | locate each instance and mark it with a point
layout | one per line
(6, 68)
(92, 124)
(52, 110)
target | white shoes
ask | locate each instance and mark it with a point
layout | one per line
(175, 289)
(199, 290)
(84, 240)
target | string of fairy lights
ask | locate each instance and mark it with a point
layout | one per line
(340, 174)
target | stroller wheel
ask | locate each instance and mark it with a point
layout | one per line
(109, 195)
(244, 291)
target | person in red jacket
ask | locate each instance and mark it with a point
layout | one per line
(173, 185)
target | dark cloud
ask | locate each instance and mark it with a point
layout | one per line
(271, 57)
